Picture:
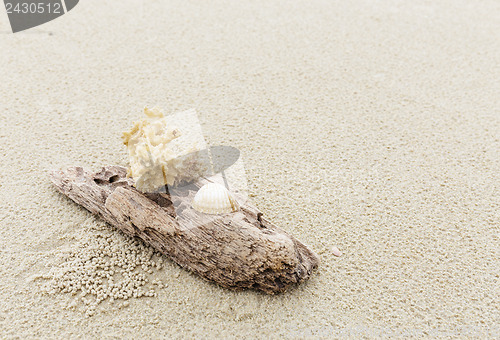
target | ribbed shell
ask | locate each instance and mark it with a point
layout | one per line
(214, 198)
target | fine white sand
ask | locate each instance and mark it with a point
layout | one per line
(370, 126)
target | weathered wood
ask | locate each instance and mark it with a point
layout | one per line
(236, 250)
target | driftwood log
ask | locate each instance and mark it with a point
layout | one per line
(236, 250)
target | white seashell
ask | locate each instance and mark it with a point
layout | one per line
(336, 251)
(214, 198)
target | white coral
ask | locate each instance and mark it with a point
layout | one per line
(154, 160)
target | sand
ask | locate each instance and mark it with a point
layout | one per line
(368, 126)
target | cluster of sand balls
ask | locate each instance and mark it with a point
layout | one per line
(108, 266)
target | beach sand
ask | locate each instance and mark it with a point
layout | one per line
(369, 126)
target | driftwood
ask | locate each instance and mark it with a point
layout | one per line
(236, 250)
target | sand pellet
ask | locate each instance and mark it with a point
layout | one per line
(107, 267)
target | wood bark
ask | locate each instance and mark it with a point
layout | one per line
(237, 250)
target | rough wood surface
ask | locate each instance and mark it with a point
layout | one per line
(236, 250)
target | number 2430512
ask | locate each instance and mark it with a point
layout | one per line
(32, 8)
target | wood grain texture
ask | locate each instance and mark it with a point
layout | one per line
(235, 250)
